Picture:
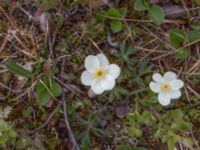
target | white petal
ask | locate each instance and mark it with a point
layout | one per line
(87, 78)
(169, 76)
(177, 84)
(97, 88)
(158, 78)
(108, 83)
(155, 87)
(114, 70)
(91, 63)
(164, 99)
(175, 94)
(103, 60)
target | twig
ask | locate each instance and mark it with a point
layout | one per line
(70, 133)
(172, 52)
(50, 116)
(2, 10)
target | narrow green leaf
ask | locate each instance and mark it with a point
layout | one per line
(56, 89)
(156, 13)
(17, 69)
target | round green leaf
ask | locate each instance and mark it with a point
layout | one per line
(193, 36)
(113, 12)
(141, 5)
(156, 13)
(116, 25)
(177, 37)
(44, 97)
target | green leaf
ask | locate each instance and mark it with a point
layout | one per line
(3, 125)
(46, 89)
(44, 97)
(113, 12)
(132, 131)
(177, 114)
(56, 89)
(39, 87)
(123, 12)
(116, 25)
(196, 26)
(193, 36)
(4, 138)
(85, 140)
(141, 5)
(171, 144)
(123, 147)
(17, 69)
(127, 147)
(138, 148)
(188, 142)
(182, 54)
(156, 13)
(177, 37)
(100, 18)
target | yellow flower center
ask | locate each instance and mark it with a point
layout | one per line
(99, 73)
(166, 87)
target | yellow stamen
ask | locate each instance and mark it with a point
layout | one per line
(99, 73)
(166, 87)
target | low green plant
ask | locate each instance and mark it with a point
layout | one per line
(7, 134)
(173, 128)
(155, 12)
(91, 124)
(47, 88)
(116, 16)
(177, 39)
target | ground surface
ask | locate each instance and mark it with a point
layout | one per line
(51, 38)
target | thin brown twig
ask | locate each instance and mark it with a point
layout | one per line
(4, 43)
(193, 91)
(145, 21)
(70, 133)
(172, 52)
(49, 118)
(2, 10)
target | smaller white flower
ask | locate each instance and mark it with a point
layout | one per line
(99, 74)
(167, 86)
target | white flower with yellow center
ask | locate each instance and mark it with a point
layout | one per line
(99, 74)
(167, 86)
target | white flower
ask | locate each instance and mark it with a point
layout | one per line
(167, 86)
(99, 74)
